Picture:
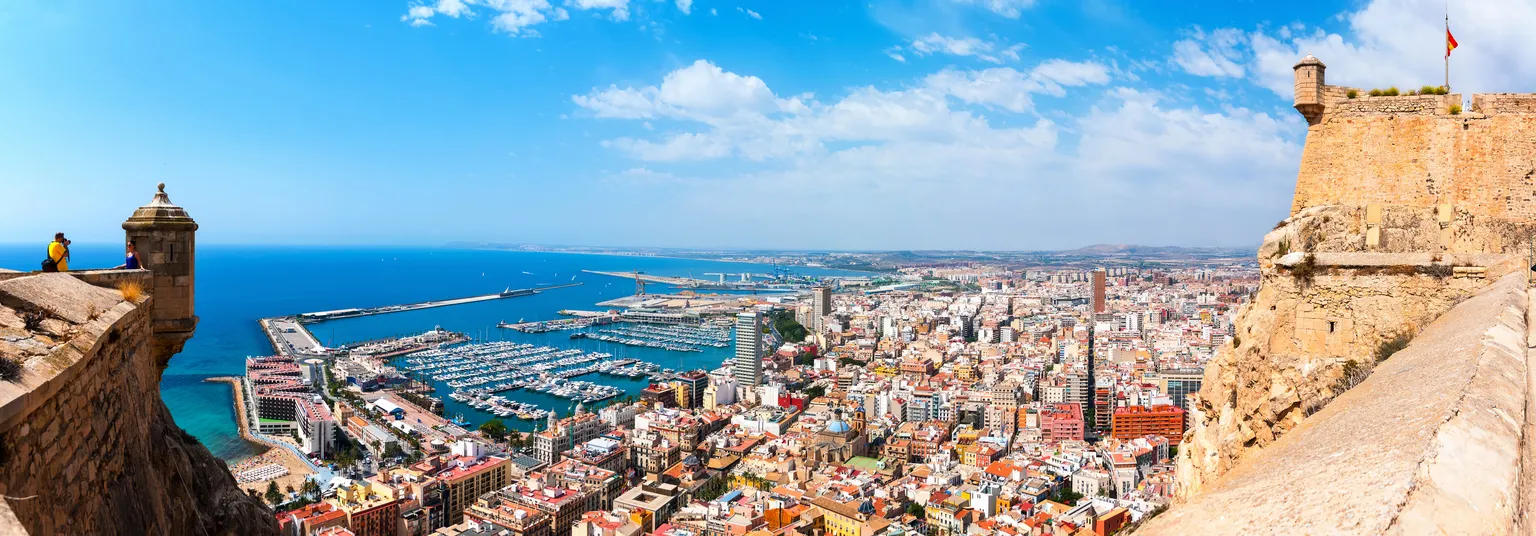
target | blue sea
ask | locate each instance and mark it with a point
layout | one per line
(236, 285)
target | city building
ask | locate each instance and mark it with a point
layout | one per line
(466, 479)
(748, 368)
(1098, 291)
(1138, 421)
(821, 306)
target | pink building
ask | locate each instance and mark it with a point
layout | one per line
(1061, 422)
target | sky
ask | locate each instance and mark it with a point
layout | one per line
(873, 125)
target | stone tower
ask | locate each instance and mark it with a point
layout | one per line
(1309, 88)
(165, 239)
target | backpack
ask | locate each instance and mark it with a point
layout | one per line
(50, 265)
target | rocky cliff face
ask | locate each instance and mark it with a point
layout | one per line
(1436, 441)
(86, 444)
(1404, 207)
(1314, 329)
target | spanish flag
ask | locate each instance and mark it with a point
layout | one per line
(1450, 42)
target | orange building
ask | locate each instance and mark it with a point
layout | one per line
(1141, 421)
(467, 479)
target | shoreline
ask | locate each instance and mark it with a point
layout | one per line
(299, 469)
(665, 257)
(237, 391)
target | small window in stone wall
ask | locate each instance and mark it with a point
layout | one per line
(170, 252)
(1331, 325)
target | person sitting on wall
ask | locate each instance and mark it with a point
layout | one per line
(58, 254)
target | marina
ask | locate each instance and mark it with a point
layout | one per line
(478, 372)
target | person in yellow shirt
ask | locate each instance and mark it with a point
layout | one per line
(58, 252)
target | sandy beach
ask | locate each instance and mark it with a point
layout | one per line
(298, 469)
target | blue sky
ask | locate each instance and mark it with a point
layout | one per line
(932, 124)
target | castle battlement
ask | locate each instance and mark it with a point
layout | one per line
(1413, 151)
(1319, 102)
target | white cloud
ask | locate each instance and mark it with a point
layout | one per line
(713, 12)
(745, 118)
(686, 146)
(994, 52)
(1069, 73)
(900, 161)
(685, 6)
(1010, 89)
(1003, 87)
(750, 13)
(1388, 43)
(895, 54)
(620, 8)
(1007, 8)
(1216, 54)
(644, 176)
(702, 92)
(513, 17)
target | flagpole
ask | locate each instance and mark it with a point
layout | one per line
(1447, 49)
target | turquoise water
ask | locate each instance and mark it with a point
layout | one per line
(236, 285)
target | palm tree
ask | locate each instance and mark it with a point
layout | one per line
(311, 488)
(274, 495)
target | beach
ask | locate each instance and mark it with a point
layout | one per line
(297, 470)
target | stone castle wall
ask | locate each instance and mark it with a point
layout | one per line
(1411, 151)
(1402, 210)
(1504, 103)
(86, 444)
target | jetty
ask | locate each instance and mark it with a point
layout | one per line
(675, 281)
(369, 311)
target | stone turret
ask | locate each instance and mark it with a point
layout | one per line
(165, 238)
(1309, 88)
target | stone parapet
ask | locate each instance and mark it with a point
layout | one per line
(84, 431)
(1365, 105)
(1430, 443)
(1504, 103)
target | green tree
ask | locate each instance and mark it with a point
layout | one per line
(1065, 495)
(274, 495)
(311, 488)
(814, 392)
(393, 450)
(916, 510)
(494, 429)
(515, 439)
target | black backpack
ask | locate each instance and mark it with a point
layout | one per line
(50, 265)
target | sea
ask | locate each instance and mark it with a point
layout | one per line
(237, 285)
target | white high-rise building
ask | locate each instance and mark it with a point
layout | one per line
(748, 369)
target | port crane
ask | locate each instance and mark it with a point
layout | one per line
(639, 284)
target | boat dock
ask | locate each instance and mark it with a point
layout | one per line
(543, 326)
(353, 313)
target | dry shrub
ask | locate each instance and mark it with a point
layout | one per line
(10, 369)
(1305, 270)
(131, 291)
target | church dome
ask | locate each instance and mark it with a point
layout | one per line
(836, 425)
